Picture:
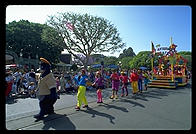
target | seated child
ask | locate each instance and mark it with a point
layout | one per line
(31, 90)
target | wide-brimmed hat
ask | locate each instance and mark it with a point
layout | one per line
(31, 83)
(45, 61)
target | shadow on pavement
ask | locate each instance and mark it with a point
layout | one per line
(151, 95)
(11, 101)
(158, 93)
(59, 122)
(108, 106)
(132, 102)
(94, 112)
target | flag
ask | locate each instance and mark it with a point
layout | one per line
(153, 49)
(69, 26)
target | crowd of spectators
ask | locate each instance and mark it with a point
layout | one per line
(22, 82)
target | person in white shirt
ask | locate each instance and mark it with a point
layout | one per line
(9, 82)
(69, 87)
(62, 83)
(18, 75)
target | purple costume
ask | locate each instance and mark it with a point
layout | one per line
(115, 81)
(100, 85)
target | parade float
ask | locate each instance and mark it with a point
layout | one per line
(171, 69)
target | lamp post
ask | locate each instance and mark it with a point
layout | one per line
(120, 64)
(102, 67)
(37, 56)
(29, 60)
(21, 57)
(37, 61)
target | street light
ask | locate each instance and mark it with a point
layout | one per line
(37, 57)
(29, 60)
(120, 64)
(21, 52)
(21, 57)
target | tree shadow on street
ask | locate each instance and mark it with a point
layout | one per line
(94, 113)
(132, 102)
(150, 94)
(58, 122)
(166, 92)
(108, 106)
(141, 97)
(159, 93)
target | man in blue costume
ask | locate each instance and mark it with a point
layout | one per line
(47, 93)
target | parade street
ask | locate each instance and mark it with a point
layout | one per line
(155, 109)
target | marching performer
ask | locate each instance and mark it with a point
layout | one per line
(134, 81)
(99, 82)
(115, 84)
(81, 82)
(124, 79)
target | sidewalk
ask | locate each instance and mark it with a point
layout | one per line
(155, 109)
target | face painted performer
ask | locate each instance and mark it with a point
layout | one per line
(47, 94)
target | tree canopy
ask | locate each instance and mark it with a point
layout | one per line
(84, 34)
(127, 53)
(141, 59)
(87, 36)
(26, 37)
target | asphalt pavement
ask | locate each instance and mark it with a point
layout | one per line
(154, 109)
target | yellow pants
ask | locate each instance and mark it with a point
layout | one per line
(135, 86)
(81, 96)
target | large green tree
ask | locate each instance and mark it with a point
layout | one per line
(142, 59)
(26, 37)
(125, 62)
(127, 53)
(110, 60)
(84, 34)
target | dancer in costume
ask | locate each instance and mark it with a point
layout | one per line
(146, 80)
(124, 79)
(115, 84)
(134, 81)
(99, 82)
(47, 93)
(140, 78)
(81, 82)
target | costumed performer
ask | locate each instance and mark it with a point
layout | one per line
(46, 90)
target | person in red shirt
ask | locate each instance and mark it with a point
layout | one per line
(124, 79)
(134, 81)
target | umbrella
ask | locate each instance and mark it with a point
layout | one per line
(96, 66)
(143, 68)
(112, 66)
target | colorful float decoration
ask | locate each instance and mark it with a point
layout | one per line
(171, 70)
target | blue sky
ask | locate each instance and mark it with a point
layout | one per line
(137, 25)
